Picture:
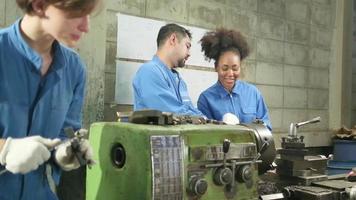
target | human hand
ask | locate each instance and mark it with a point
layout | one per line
(66, 158)
(22, 155)
(230, 119)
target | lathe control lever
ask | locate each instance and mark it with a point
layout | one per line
(226, 147)
(293, 126)
(312, 121)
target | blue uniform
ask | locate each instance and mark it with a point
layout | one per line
(156, 86)
(34, 105)
(245, 101)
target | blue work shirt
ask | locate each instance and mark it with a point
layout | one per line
(31, 104)
(245, 101)
(156, 86)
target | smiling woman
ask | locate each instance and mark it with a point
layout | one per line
(41, 93)
(228, 48)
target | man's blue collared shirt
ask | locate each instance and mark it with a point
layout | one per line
(156, 86)
(245, 101)
(31, 104)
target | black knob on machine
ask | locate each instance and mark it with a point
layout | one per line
(226, 145)
(223, 176)
(287, 193)
(244, 173)
(198, 185)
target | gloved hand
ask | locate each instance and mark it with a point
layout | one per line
(23, 155)
(351, 176)
(66, 158)
(230, 119)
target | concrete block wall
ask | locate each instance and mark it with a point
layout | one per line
(291, 51)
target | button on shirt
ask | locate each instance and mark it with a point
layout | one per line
(245, 101)
(156, 86)
(31, 104)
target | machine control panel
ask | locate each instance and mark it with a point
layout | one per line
(226, 165)
(167, 162)
(166, 159)
(197, 185)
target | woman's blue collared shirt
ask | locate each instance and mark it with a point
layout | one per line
(245, 101)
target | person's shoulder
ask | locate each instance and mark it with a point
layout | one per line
(5, 34)
(67, 51)
(246, 86)
(71, 55)
(9, 31)
(6, 40)
(213, 89)
(148, 67)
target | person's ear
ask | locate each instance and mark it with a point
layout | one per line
(173, 39)
(39, 7)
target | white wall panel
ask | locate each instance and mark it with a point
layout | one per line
(125, 72)
(137, 39)
(197, 81)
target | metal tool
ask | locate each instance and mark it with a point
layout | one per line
(3, 171)
(75, 138)
(293, 126)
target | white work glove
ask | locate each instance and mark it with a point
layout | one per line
(230, 119)
(23, 155)
(66, 158)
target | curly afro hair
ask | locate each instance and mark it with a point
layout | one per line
(215, 43)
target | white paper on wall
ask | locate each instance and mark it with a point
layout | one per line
(125, 71)
(197, 81)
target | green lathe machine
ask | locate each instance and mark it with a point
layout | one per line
(160, 156)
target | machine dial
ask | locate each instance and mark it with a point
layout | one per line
(198, 185)
(223, 176)
(244, 174)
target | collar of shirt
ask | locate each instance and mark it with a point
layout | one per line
(172, 74)
(219, 88)
(162, 65)
(28, 52)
